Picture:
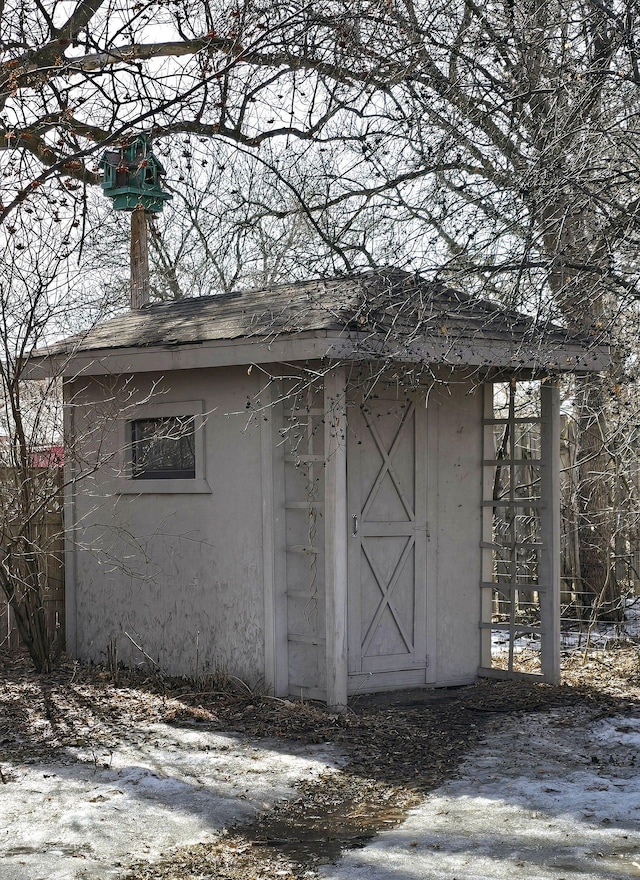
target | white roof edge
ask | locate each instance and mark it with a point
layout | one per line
(312, 345)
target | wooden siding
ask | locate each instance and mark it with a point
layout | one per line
(51, 539)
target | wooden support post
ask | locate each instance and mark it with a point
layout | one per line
(550, 528)
(276, 662)
(336, 537)
(139, 259)
(486, 576)
(70, 524)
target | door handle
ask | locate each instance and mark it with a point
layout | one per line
(354, 529)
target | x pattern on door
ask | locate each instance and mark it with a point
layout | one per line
(388, 584)
(387, 550)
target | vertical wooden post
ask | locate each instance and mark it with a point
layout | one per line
(550, 528)
(268, 544)
(276, 661)
(486, 577)
(139, 259)
(335, 411)
(70, 524)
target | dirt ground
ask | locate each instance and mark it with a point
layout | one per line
(399, 746)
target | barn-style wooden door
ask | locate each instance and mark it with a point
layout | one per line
(387, 544)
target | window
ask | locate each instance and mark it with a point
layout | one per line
(163, 448)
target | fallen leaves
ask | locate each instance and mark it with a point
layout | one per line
(399, 746)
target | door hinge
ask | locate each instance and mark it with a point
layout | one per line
(426, 661)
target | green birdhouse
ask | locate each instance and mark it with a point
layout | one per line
(132, 177)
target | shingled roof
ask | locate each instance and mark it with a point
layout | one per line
(388, 313)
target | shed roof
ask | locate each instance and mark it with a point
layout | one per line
(371, 314)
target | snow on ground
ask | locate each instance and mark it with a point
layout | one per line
(546, 796)
(92, 813)
(539, 799)
(575, 634)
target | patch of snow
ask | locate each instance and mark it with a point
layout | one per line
(574, 634)
(93, 813)
(539, 799)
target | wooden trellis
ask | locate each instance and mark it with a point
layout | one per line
(520, 541)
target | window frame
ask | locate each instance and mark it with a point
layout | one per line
(167, 485)
(152, 447)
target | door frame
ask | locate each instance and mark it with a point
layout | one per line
(417, 669)
(336, 525)
(335, 536)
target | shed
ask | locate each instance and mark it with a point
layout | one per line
(336, 486)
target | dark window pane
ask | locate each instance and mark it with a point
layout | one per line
(163, 448)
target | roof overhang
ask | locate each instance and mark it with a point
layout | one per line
(453, 351)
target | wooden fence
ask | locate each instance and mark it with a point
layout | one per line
(51, 540)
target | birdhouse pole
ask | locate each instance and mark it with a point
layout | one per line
(140, 293)
(132, 177)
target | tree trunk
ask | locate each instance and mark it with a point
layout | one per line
(573, 239)
(598, 586)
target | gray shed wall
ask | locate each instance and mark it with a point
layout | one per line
(181, 573)
(456, 490)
